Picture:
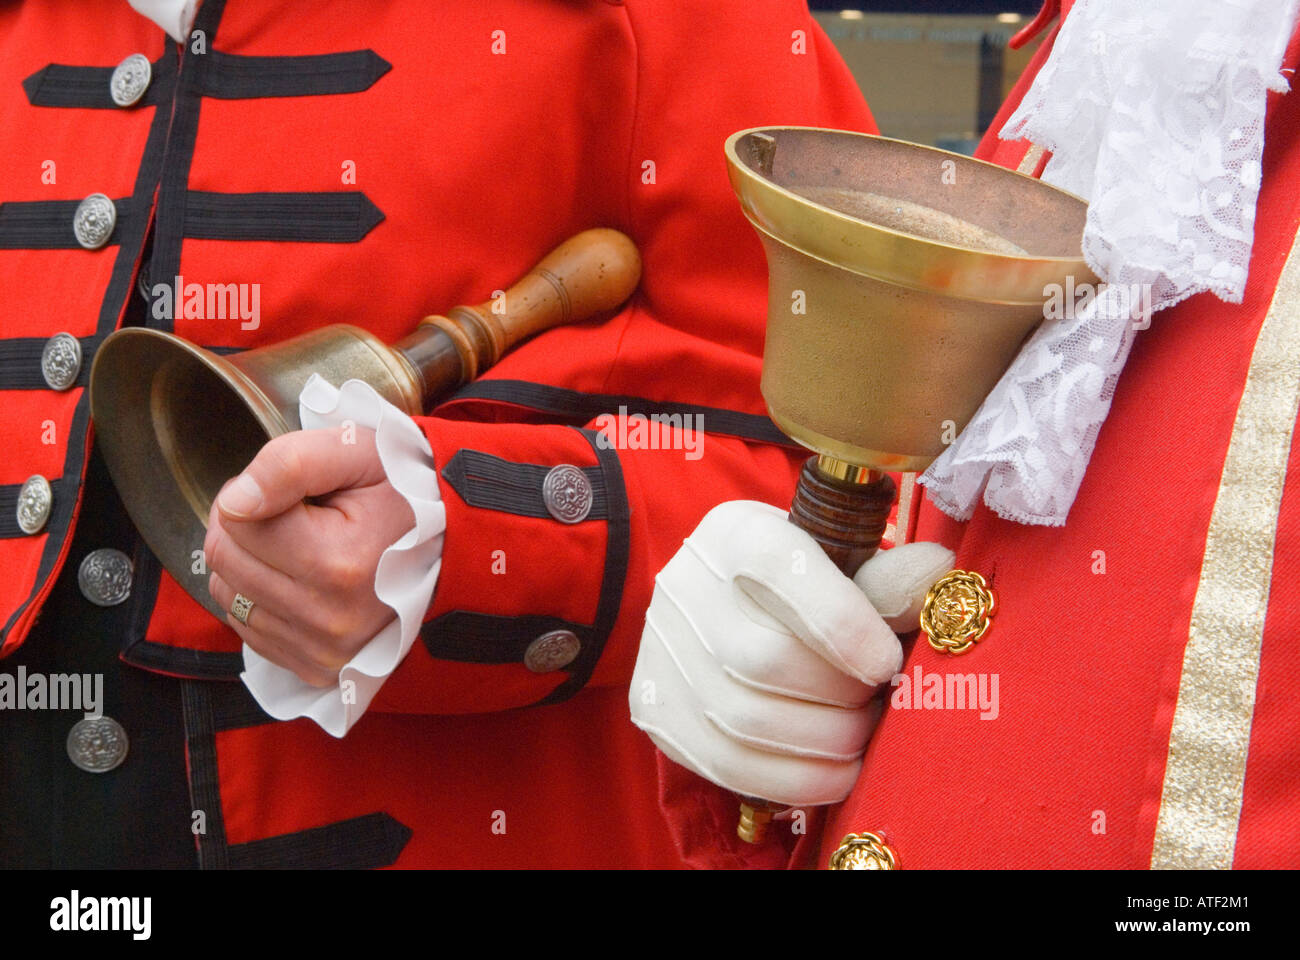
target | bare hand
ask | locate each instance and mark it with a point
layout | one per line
(308, 567)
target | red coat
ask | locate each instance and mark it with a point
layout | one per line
(1172, 587)
(468, 165)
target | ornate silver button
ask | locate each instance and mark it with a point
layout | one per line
(552, 650)
(34, 501)
(566, 491)
(97, 744)
(130, 80)
(94, 221)
(61, 361)
(105, 577)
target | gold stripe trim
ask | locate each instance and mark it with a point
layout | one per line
(1200, 804)
(1030, 160)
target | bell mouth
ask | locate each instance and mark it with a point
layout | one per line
(205, 430)
(174, 422)
(902, 282)
(825, 193)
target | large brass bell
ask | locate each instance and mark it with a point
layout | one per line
(175, 421)
(902, 281)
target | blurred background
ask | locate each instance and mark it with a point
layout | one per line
(933, 71)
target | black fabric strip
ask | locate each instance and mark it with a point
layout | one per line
(468, 637)
(483, 480)
(130, 237)
(205, 788)
(362, 843)
(234, 708)
(9, 507)
(47, 224)
(171, 180)
(228, 76)
(147, 570)
(340, 217)
(618, 545)
(225, 76)
(173, 188)
(182, 661)
(56, 85)
(20, 362)
(577, 408)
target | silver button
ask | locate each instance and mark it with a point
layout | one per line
(94, 221)
(97, 744)
(105, 577)
(61, 361)
(552, 650)
(130, 80)
(566, 491)
(34, 500)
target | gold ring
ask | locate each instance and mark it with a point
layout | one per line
(240, 608)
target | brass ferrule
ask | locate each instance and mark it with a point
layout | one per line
(752, 826)
(843, 470)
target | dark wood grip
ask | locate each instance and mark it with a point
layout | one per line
(847, 518)
(587, 275)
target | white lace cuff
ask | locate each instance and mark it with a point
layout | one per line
(1153, 111)
(404, 579)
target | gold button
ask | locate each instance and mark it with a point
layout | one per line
(864, 851)
(957, 610)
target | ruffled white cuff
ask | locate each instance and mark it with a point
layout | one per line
(404, 579)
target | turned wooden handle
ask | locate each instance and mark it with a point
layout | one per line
(847, 519)
(587, 275)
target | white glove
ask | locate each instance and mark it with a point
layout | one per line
(759, 658)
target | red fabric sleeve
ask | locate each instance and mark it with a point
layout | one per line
(597, 573)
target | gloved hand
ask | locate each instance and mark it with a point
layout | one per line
(759, 658)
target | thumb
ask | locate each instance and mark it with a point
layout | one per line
(814, 600)
(304, 463)
(896, 581)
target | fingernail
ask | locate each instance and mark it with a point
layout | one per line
(242, 497)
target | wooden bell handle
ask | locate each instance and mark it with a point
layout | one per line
(846, 517)
(587, 275)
